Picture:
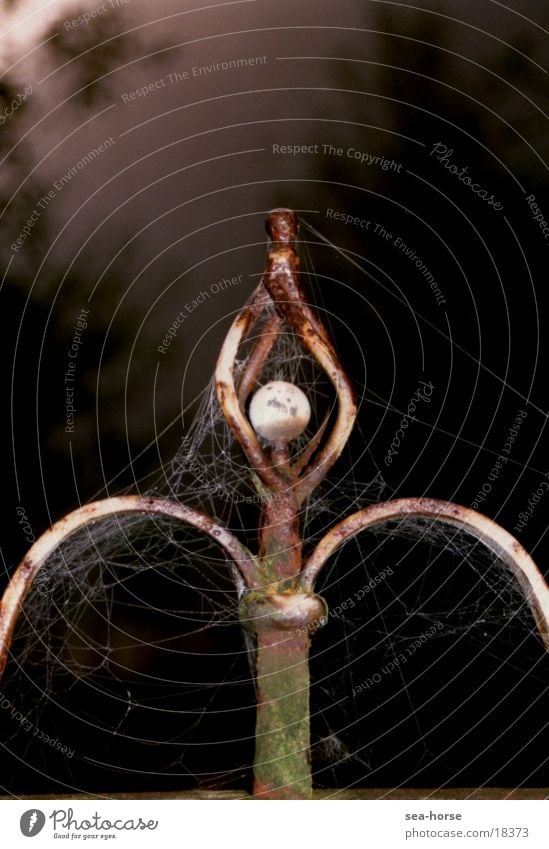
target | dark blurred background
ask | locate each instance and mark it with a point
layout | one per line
(159, 163)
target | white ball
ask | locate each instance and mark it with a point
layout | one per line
(279, 411)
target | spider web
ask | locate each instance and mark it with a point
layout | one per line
(128, 651)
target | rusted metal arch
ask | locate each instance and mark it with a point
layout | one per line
(23, 577)
(227, 392)
(532, 583)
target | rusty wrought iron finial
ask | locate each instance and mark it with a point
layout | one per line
(278, 602)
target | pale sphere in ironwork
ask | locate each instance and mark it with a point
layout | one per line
(279, 411)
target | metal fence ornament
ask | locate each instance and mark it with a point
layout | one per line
(278, 602)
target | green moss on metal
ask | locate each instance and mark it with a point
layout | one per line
(282, 766)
